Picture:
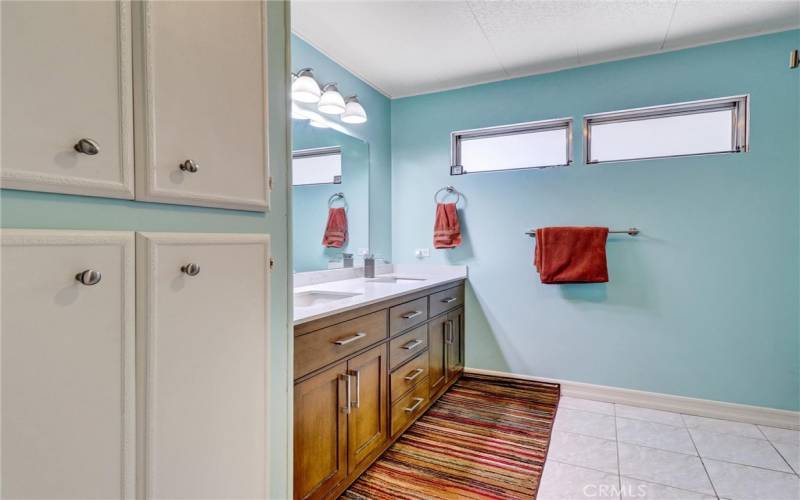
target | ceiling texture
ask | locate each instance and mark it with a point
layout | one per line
(405, 48)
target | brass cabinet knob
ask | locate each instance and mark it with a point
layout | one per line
(189, 166)
(191, 269)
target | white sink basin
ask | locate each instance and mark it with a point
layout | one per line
(317, 297)
(393, 279)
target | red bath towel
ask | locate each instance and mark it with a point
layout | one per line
(571, 254)
(446, 229)
(336, 229)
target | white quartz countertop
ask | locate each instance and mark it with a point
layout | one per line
(369, 291)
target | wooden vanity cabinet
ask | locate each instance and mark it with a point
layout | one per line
(364, 376)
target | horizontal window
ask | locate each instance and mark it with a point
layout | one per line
(317, 166)
(692, 128)
(511, 147)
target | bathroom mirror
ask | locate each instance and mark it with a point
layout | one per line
(330, 171)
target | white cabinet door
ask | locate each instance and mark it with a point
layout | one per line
(66, 77)
(203, 342)
(203, 73)
(67, 359)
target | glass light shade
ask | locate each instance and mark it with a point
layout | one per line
(297, 113)
(331, 102)
(305, 88)
(354, 111)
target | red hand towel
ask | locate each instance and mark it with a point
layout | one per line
(336, 229)
(571, 254)
(446, 229)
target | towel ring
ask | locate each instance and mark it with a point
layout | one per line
(450, 190)
(337, 196)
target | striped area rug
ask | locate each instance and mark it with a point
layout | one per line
(486, 437)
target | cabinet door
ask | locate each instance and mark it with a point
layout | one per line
(203, 334)
(367, 422)
(204, 93)
(455, 343)
(67, 76)
(437, 351)
(320, 432)
(67, 365)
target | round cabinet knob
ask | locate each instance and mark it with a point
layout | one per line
(189, 166)
(89, 277)
(191, 269)
(87, 147)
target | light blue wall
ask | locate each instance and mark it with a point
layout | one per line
(310, 202)
(376, 131)
(20, 209)
(704, 303)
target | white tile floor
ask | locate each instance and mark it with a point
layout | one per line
(607, 451)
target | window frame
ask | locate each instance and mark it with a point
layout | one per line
(314, 152)
(458, 136)
(740, 126)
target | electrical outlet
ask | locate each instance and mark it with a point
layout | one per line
(422, 252)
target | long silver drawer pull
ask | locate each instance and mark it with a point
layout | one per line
(357, 375)
(412, 345)
(191, 269)
(190, 166)
(87, 146)
(347, 394)
(448, 337)
(359, 335)
(412, 314)
(448, 300)
(89, 277)
(416, 372)
(414, 407)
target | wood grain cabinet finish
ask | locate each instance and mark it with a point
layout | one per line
(320, 432)
(66, 77)
(446, 300)
(367, 422)
(202, 80)
(317, 349)
(408, 315)
(353, 399)
(68, 365)
(202, 334)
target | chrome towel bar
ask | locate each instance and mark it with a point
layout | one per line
(631, 231)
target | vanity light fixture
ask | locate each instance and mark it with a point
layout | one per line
(331, 102)
(304, 87)
(354, 111)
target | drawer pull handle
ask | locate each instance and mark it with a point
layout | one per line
(89, 277)
(87, 146)
(416, 373)
(190, 166)
(357, 374)
(412, 314)
(412, 345)
(359, 335)
(413, 408)
(448, 300)
(191, 269)
(347, 395)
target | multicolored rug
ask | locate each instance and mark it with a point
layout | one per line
(487, 437)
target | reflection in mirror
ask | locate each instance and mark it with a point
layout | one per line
(330, 172)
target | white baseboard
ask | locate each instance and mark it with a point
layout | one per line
(679, 404)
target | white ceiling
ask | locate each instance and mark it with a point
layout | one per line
(414, 47)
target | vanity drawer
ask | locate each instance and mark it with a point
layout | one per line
(409, 406)
(411, 373)
(408, 345)
(317, 349)
(446, 300)
(407, 315)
